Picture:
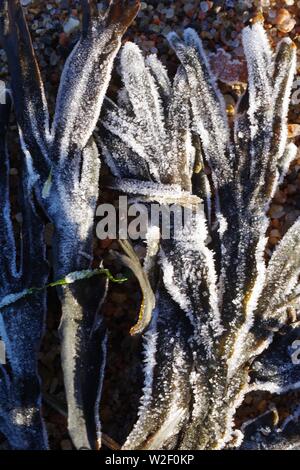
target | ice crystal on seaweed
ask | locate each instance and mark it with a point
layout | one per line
(63, 168)
(219, 305)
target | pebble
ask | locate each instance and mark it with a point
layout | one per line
(284, 21)
(71, 25)
(66, 444)
(275, 233)
(276, 211)
(204, 6)
(54, 58)
(170, 13)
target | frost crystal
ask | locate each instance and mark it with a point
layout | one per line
(219, 305)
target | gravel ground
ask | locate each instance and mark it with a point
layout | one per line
(55, 28)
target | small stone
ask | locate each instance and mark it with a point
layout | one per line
(230, 109)
(66, 444)
(170, 13)
(275, 223)
(104, 244)
(275, 233)
(248, 399)
(291, 189)
(19, 218)
(54, 58)
(280, 197)
(226, 69)
(63, 40)
(276, 211)
(189, 9)
(71, 25)
(155, 28)
(284, 21)
(204, 6)
(291, 219)
(294, 130)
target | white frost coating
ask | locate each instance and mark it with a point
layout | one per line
(42, 137)
(33, 176)
(109, 160)
(77, 276)
(260, 65)
(148, 109)
(283, 101)
(126, 134)
(172, 193)
(12, 298)
(236, 358)
(23, 417)
(160, 74)
(150, 348)
(98, 400)
(156, 136)
(223, 225)
(209, 110)
(273, 388)
(283, 270)
(75, 85)
(177, 294)
(286, 160)
(172, 417)
(153, 243)
(169, 428)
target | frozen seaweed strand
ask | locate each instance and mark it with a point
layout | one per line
(65, 172)
(210, 119)
(281, 276)
(83, 76)
(160, 74)
(264, 432)
(7, 240)
(27, 87)
(167, 368)
(222, 330)
(145, 100)
(21, 324)
(268, 106)
(277, 370)
(156, 411)
(179, 126)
